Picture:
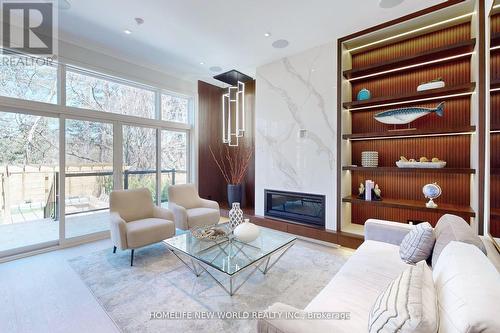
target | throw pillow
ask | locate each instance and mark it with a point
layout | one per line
(407, 305)
(454, 228)
(417, 244)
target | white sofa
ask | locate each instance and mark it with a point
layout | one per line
(356, 286)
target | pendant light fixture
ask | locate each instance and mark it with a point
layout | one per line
(233, 106)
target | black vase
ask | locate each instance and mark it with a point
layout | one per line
(233, 194)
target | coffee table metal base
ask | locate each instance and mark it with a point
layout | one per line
(198, 267)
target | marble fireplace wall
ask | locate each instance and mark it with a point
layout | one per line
(296, 127)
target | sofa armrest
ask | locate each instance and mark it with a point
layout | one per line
(180, 216)
(386, 231)
(118, 230)
(295, 325)
(163, 213)
(205, 203)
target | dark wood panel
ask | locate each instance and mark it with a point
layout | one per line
(495, 23)
(454, 74)
(455, 150)
(456, 114)
(211, 183)
(409, 47)
(495, 152)
(408, 186)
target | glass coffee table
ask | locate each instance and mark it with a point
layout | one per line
(230, 256)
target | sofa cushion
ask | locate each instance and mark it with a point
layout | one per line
(148, 231)
(417, 244)
(468, 289)
(202, 216)
(358, 283)
(453, 228)
(408, 304)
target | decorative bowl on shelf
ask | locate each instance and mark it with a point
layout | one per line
(421, 165)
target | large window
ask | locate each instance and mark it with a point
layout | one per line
(174, 108)
(90, 92)
(140, 138)
(22, 77)
(139, 158)
(89, 176)
(174, 157)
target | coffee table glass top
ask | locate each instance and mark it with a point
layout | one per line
(230, 255)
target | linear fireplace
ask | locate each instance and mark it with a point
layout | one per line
(296, 207)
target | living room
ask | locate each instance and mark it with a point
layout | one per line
(250, 166)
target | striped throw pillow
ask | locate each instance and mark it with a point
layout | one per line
(418, 243)
(408, 304)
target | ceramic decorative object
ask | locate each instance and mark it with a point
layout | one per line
(247, 232)
(235, 216)
(434, 84)
(369, 159)
(404, 116)
(431, 191)
(364, 94)
(422, 163)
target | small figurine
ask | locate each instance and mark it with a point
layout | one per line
(361, 190)
(377, 193)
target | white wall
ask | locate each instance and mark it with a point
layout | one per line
(294, 93)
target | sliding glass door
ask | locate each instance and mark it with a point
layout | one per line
(29, 169)
(89, 176)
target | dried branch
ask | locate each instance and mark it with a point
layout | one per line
(233, 162)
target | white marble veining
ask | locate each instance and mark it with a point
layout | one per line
(293, 94)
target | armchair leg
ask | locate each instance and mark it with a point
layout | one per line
(132, 258)
(114, 249)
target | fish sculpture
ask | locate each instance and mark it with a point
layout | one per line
(407, 115)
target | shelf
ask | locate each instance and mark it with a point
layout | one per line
(403, 63)
(495, 212)
(495, 39)
(409, 133)
(414, 205)
(446, 92)
(495, 84)
(410, 170)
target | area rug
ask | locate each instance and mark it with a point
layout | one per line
(158, 282)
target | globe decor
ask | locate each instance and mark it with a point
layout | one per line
(431, 191)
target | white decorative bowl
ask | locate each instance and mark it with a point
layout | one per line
(421, 165)
(247, 232)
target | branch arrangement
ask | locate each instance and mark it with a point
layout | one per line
(233, 162)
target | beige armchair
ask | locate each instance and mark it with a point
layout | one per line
(189, 209)
(136, 221)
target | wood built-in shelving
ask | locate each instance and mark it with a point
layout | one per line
(494, 137)
(392, 70)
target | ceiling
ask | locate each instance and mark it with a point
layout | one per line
(178, 35)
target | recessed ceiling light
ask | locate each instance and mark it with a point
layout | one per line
(126, 31)
(216, 69)
(202, 63)
(390, 3)
(280, 44)
(267, 34)
(139, 20)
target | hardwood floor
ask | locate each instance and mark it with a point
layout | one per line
(43, 294)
